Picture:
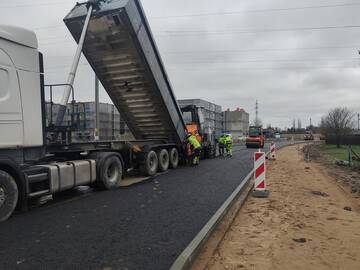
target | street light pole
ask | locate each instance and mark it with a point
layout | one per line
(97, 119)
(358, 121)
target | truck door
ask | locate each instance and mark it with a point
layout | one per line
(11, 119)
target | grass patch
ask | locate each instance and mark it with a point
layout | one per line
(338, 153)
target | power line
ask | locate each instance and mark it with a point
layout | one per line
(256, 11)
(265, 49)
(36, 5)
(269, 61)
(195, 33)
(235, 51)
(172, 66)
(206, 14)
(235, 31)
(281, 68)
(259, 61)
(211, 13)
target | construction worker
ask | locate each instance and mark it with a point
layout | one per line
(222, 144)
(196, 148)
(228, 144)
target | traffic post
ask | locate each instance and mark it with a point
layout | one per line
(260, 190)
(272, 155)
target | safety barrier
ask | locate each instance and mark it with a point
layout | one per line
(260, 190)
(272, 155)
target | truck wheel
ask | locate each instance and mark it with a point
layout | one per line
(8, 195)
(164, 161)
(109, 170)
(174, 158)
(151, 164)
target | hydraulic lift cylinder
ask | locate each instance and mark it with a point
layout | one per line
(72, 73)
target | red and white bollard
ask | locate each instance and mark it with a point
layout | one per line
(272, 155)
(260, 190)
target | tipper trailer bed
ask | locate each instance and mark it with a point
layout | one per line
(37, 159)
(121, 50)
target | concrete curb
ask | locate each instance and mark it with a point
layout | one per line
(190, 253)
(186, 258)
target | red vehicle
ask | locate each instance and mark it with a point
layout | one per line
(256, 138)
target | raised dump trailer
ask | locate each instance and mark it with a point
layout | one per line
(37, 157)
(120, 48)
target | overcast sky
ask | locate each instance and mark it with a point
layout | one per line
(225, 53)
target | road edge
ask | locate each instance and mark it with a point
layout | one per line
(185, 260)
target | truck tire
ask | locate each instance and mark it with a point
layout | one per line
(8, 195)
(164, 160)
(109, 170)
(150, 167)
(174, 158)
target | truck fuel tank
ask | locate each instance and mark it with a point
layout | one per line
(66, 175)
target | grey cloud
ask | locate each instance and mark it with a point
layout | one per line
(286, 90)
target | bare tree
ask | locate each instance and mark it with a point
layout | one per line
(338, 122)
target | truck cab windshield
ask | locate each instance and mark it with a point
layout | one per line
(188, 117)
(254, 132)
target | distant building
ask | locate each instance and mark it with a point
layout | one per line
(213, 118)
(236, 122)
(111, 125)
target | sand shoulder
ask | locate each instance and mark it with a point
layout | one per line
(302, 225)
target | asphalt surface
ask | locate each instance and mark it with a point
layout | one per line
(145, 226)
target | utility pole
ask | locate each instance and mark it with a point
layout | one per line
(256, 113)
(358, 121)
(97, 105)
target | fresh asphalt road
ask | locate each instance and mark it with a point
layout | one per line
(145, 226)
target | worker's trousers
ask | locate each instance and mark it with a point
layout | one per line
(229, 149)
(196, 156)
(222, 149)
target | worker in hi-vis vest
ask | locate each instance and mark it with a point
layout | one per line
(228, 144)
(222, 142)
(195, 147)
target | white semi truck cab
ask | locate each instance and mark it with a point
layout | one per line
(39, 159)
(21, 101)
(27, 169)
